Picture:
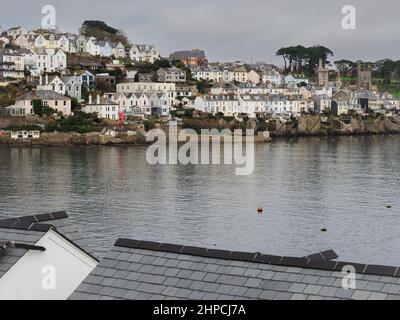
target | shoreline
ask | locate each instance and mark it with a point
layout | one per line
(71, 140)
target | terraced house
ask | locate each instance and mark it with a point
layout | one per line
(12, 64)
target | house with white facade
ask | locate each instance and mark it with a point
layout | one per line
(171, 75)
(287, 106)
(50, 60)
(340, 107)
(149, 87)
(142, 104)
(118, 50)
(292, 81)
(70, 86)
(228, 104)
(143, 53)
(12, 64)
(322, 102)
(103, 107)
(272, 76)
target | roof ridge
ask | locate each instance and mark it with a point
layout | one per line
(33, 222)
(297, 262)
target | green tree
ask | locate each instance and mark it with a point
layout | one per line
(38, 107)
(74, 104)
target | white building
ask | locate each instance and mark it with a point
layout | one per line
(47, 60)
(143, 53)
(227, 104)
(103, 107)
(149, 87)
(272, 76)
(141, 104)
(70, 86)
(12, 64)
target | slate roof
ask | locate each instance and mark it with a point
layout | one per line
(143, 270)
(29, 230)
(43, 94)
(179, 55)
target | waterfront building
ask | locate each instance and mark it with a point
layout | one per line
(103, 107)
(150, 87)
(51, 99)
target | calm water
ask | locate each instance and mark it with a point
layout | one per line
(343, 184)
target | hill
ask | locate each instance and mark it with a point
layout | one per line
(102, 31)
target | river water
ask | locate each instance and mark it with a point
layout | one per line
(343, 184)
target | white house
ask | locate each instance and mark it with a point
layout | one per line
(293, 81)
(149, 87)
(272, 76)
(12, 64)
(143, 53)
(70, 86)
(322, 102)
(103, 107)
(50, 60)
(118, 50)
(226, 104)
(142, 104)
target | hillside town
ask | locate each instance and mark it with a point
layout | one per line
(55, 76)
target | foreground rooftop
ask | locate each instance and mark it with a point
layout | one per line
(149, 270)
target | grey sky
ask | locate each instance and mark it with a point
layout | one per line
(230, 29)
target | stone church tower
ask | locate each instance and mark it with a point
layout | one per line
(323, 75)
(364, 76)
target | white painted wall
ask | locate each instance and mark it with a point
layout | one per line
(27, 279)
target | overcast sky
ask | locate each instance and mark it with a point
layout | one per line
(228, 30)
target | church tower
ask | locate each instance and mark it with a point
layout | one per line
(323, 75)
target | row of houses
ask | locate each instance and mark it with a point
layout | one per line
(136, 104)
(14, 63)
(239, 74)
(252, 104)
(71, 43)
(285, 101)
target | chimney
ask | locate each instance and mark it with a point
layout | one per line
(320, 64)
(90, 99)
(98, 99)
(47, 79)
(40, 80)
(112, 98)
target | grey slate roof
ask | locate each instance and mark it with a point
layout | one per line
(44, 95)
(29, 230)
(143, 270)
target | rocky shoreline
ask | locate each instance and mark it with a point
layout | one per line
(311, 126)
(307, 126)
(75, 139)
